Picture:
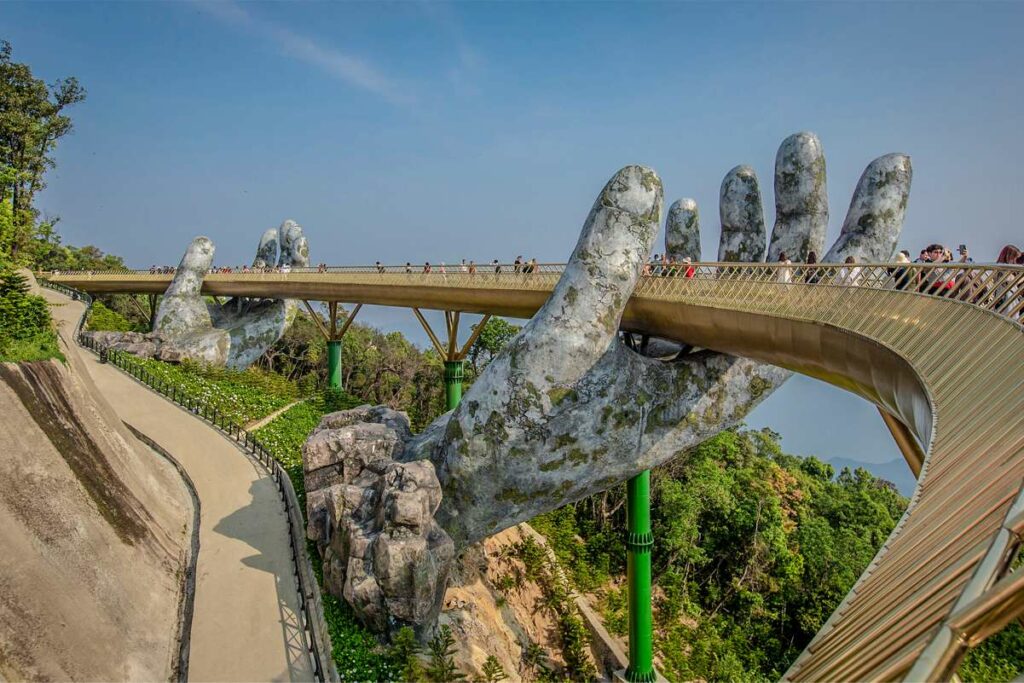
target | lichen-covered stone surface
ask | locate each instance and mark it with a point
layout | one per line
(876, 213)
(373, 519)
(682, 230)
(739, 208)
(801, 199)
(238, 332)
(566, 409)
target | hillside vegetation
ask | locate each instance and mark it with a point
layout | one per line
(754, 549)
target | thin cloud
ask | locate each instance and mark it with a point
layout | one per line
(344, 67)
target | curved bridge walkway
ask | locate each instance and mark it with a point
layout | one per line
(246, 624)
(938, 349)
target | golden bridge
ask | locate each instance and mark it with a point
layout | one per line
(938, 349)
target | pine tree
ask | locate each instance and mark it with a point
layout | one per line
(442, 658)
(493, 671)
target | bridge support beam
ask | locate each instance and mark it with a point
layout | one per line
(639, 543)
(333, 336)
(453, 356)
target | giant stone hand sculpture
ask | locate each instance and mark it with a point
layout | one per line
(567, 409)
(238, 332)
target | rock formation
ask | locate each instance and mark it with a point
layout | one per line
(567, 410)
(373, 519)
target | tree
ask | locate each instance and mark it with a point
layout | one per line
(497, 333)
(404, 651)
(493, 671)
(442, 658)
(32, 121)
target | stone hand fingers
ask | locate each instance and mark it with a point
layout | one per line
(801, 199)
(877, 209)
(581, 317)
(182, 309)
(682, 231)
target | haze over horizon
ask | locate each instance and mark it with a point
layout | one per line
(428, 131)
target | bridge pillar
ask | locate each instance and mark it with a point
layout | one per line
(453, 356)
(334, 363)
(639, 543)
(453, 372)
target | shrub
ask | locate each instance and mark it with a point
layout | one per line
(102, 319)
(26, 329)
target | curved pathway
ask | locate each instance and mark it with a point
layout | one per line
(246, 625)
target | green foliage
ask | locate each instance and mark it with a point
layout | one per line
(441, 668)
(493, 671)
(239, 395)
(591, 562)
(497, 333)
(405, 651)
(754, 548)
(335, 399)
(999, 658)
(49, 255)
(32, 121)
(102, 318)
(26, 329)
(535, 661)
(557, 598)
(355, 651)
(380, 368)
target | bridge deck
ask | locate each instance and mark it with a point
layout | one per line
(946, 371)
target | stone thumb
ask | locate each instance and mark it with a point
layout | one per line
(188, 279)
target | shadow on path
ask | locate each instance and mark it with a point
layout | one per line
(245, 524)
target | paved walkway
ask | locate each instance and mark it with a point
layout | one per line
(246, 625)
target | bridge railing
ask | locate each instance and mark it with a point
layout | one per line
(995, 288)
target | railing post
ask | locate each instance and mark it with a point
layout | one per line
(453, 373)
(639, 542)
(334, 364)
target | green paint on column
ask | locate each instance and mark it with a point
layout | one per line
(334, 364)
(453, 382)
(639, 542)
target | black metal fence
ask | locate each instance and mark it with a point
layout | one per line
(311, 604)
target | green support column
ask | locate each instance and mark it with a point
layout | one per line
(453, 382)
(334, 364)
(639, 542)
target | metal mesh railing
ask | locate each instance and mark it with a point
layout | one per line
(995, 288)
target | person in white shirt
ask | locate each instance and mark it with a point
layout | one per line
(785, 274)
(849, 276)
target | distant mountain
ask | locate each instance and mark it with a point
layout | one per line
(895, 470)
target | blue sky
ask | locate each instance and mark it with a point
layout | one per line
(427, 131)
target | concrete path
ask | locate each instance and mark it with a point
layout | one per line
(246, 625)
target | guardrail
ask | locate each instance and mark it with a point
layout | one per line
(311, 604)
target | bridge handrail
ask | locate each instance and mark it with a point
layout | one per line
(996, 288)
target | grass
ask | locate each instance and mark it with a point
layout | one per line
(240, 395)
(41, 346)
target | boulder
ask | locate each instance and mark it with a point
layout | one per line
(372, 518)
